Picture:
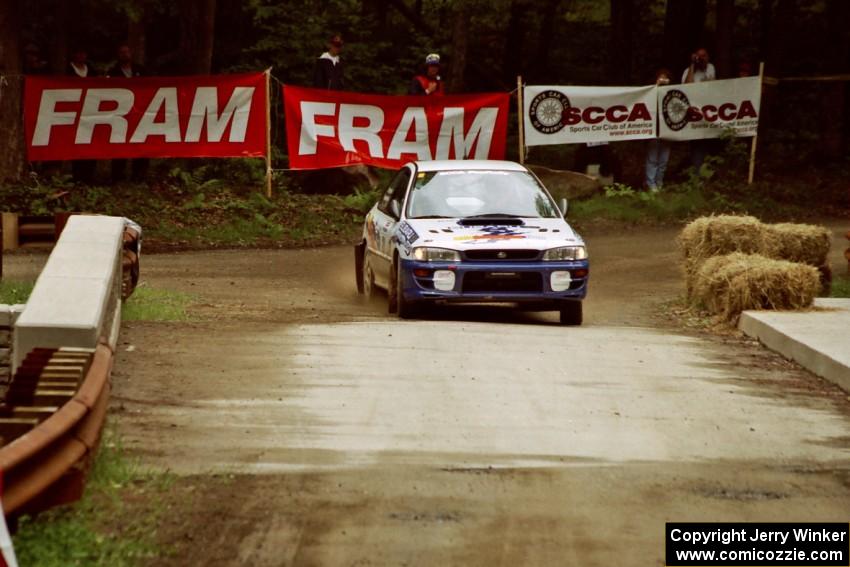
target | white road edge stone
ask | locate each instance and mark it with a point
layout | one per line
(819, 340)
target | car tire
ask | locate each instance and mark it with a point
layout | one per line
(368, 279)
(392, 289)
(359, 272)
(404, 308)
(571, 313)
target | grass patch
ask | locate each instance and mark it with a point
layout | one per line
(187, 210)
(149, 304)
(840, 287)
(100, 529)
(676, 203)
(13, 292)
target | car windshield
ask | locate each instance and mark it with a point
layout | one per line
(453, 194)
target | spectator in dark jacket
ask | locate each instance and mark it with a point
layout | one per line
(79, 65)
(82, 170)
(328, 72)
(126, 68)
(33, 62)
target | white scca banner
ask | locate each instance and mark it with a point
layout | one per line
(568, 115)
(708, 109)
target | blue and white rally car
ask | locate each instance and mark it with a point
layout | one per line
(472, 231)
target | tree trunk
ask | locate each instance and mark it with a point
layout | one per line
(684, 21)
(765, 11)
(514, 40)
(541, 67)
(136, 35)
(12, 148)
(781, 36)
(59, 45)
(457, 83)
(197, 30)
(724, 37)
(836, 60)
(620, 54)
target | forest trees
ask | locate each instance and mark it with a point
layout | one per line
(11, 90)
(484, 45)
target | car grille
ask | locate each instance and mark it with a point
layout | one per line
(487, 282)
(503, 255)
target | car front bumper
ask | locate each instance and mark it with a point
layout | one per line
(487, 282)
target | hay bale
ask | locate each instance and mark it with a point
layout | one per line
(804, 243)
(711, 236)
(729, 284)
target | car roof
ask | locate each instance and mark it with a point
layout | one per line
(468, 165)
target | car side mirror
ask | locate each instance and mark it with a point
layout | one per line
(395, 207)
(564, 205)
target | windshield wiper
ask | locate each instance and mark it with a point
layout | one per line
(431, 217)
(495, 216)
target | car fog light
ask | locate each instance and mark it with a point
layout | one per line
(444, 280)
(560, 280)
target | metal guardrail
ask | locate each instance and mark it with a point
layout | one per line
(46, 465)
(54, 408)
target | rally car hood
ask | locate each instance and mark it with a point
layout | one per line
(536, 234)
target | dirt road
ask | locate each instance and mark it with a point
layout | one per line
(309, 428)
(476, 437)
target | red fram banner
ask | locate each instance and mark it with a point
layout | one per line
(203, 116)
(334, 128)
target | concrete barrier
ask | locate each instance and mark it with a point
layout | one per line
(816, 339)
(76, 300)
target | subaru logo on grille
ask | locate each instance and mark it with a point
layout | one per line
(502, 255)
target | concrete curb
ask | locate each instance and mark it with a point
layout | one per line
(818, 340)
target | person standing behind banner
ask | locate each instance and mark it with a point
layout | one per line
(125, 68)
(33, 62)
(658, 151)
(700, 70)
(329, 72)
(82, 170)
(429, 82)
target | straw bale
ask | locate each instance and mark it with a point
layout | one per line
(729, 284)
(804, 243)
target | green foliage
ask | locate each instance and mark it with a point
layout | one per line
(840, 287)
(214, 203)
(147, 304)
(362, 200)
(14, 292)
(719, 186)
(97, 530)
(290, 40)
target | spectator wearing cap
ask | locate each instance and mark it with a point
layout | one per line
(328, 73)
(428, 82)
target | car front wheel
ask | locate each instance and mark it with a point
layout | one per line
(571, 313)
(368, 279)
(405, 308)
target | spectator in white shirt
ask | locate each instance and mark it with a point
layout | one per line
(700, 69)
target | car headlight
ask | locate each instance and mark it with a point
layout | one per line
(566, 253)
(427, 254)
